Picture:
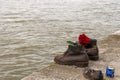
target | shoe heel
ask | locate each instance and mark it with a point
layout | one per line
(81, 64)
(94, 58)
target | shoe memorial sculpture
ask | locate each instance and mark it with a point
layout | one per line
(75, 55)
(79, 52)
(90, 45)
(92, 74)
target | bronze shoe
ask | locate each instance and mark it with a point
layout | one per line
(92, 74)
(92, 50)
(73, 56)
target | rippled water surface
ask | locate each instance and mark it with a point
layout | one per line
(32, 32)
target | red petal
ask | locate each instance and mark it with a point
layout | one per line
(83, 39)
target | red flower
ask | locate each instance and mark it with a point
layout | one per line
(83, 39)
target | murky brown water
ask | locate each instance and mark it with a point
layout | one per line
(32, 32)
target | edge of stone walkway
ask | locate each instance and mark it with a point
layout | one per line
(109, 50)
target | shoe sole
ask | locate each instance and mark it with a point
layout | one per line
(78, 64)
(81, 64)
(94, 58)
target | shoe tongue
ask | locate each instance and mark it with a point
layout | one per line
(74, 50)
(78, 49)
(89, 46)
(93, 41)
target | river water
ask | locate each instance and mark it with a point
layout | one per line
(32, 32)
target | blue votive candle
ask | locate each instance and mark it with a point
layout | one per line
(110, 72)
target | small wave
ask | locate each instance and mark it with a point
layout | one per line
(116, 33)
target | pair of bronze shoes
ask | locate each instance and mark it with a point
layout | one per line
(79, 56)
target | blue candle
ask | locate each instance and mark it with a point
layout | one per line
(110, 72)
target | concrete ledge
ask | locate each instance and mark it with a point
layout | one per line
(57, 72)
(109, 50)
